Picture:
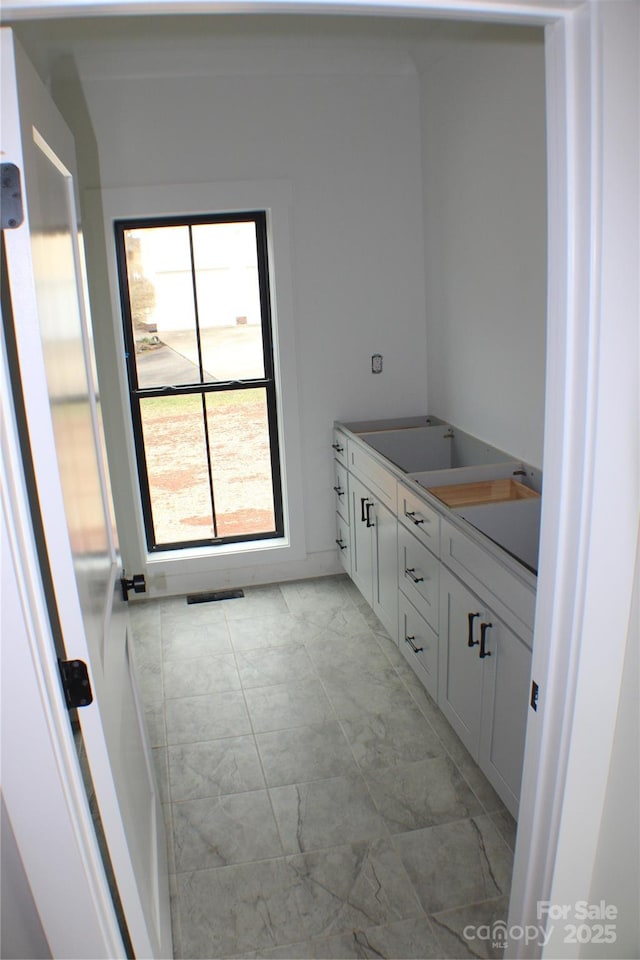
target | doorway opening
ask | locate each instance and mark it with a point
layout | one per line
(200, 361)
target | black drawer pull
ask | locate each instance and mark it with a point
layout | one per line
(363, 500)
(411, 573)
(415, 649)
(470, 641)
(341, 544)
(337, 447)
(339, 491)
(367, 508)
(412, 516)
(483, 639)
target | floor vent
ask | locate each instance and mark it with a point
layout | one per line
(215, 595)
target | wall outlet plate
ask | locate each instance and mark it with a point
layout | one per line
(376, 363)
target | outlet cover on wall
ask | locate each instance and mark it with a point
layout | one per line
(376, 363)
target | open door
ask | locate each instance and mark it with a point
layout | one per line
(70, 495)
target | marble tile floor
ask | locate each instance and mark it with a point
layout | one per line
(317, 802)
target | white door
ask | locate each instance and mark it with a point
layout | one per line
(62, 420)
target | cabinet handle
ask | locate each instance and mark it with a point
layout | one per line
(411, 573)
(412, 516)
(341, 544)
(337, 447)
(483, 639)
(363, 500)
(339, 491)
(470, 641)
(367, 508)
(415, 649)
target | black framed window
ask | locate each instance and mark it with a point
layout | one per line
(199, 350)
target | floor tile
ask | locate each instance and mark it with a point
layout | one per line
(218, 831)
(400, 736)
(154, 717)
(248, 909)
(313, 597)
(187, 641)
(212, 717)
(305, 753)
(473, 931)
(276, 630)
(421, 794)
(202, 675)
(411, 939)
(214, 768)
(457, 863)
(325, 813)
(288, 705)
(507, 827)
(287, 664)
(159, 755)
(354, 693)
(330, 651)
(257, 602)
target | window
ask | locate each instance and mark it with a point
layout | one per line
(199, 347)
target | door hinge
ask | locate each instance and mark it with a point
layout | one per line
(535, 693)
(10, 196)
(137, 583)
(75, 683)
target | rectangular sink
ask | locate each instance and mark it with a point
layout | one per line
(423, 449)
(513, 524)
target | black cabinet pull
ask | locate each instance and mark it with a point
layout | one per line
(339, 491)
(411, 573)
(341, 544)
(470, 641)
(337, 447)
(363, 500)
(367, 508)
(483, 639)
(412, 516)
(415, 649)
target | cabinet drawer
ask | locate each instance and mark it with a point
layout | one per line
(511, 597)
(418, 575)
(419, 645)
(341, 488)
(416, 515)
(339, 446)
(373, 474)
(343, 541)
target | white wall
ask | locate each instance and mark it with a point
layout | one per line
(484, 160)
(341, 126)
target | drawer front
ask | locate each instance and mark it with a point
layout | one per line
(374, 475)
(512, 598)
(419, 645)
(339, 446)
(341, 488)
(419, 575)
(343, 542)
(416, 515)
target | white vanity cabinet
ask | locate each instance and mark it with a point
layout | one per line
(484, 673)
(374, 547)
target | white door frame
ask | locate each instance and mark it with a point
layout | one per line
(590, 409)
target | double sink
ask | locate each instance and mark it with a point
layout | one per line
(496, 494)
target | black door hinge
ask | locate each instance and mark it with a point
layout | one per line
(75, 683)
(535, 693)
(11, 196)
(137, 583)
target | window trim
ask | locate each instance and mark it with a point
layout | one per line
(136, 393)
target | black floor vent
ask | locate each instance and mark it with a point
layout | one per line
(215, 595)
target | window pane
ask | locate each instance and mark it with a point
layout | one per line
(175, 449)
(162, 308)
(241, 462)
(226, 265)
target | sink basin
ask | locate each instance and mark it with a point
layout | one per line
(423, 449)
(513, 524)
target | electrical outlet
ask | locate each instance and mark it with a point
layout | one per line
(376, 363)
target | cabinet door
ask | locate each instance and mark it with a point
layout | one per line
(343, 542)
(418, 643)
(460, 671)
(385, 583)
(361, 539)
(504, 719)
